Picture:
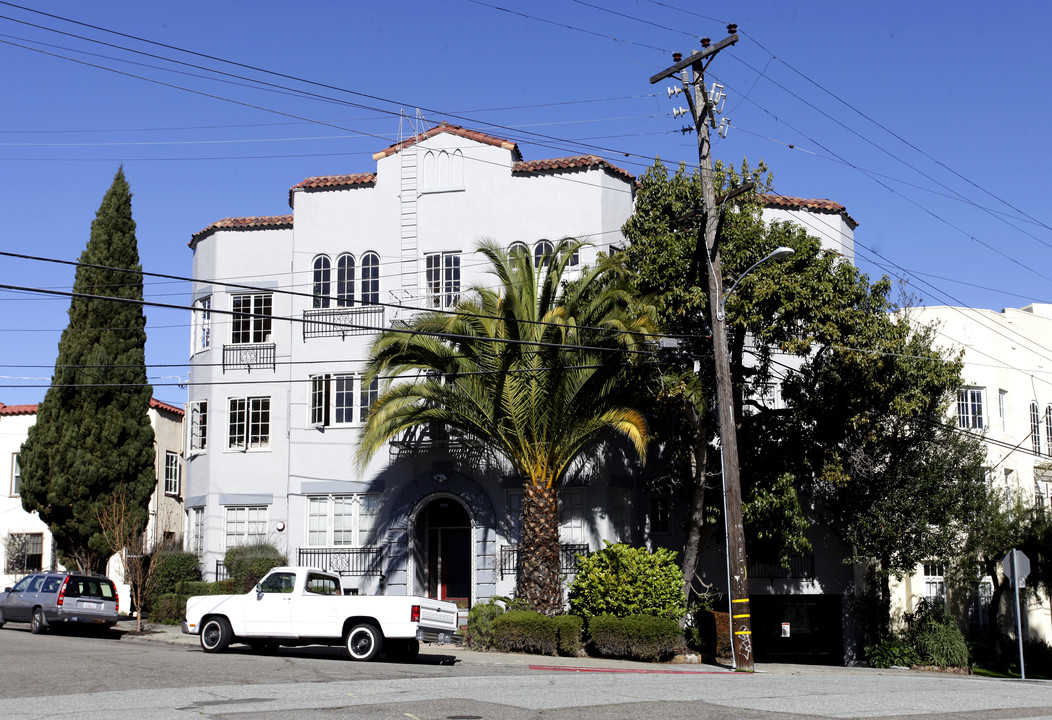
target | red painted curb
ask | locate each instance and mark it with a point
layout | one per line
(631, 670)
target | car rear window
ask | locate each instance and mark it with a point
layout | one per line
(90, 587)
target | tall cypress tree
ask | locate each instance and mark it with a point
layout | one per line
(93, 435)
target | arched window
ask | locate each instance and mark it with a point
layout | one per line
(321, 281)
(1048, 430)
(542, 253)
(430, 171)
(1035, 429)
(518, 247)
(345, 280)
(456, 169)
(370, 278)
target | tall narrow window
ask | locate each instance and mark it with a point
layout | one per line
(935, 582)
(171, 473)
(660, 514)
(621, 513)
(319, 400)
(252, 316)
(202, 324)
(514, 516)
(1048, 430)
(443, 279)
(369, 394)
(571, 517)
(321, 279)
(16, 476)
(1001, 401)
(198, 439)
(970, 408)
(196, 540)
(345, 280)
(1035, 428)
(542, 253)
(370, 278)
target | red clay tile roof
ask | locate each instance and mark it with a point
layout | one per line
(327, 181)
(158, 405)
(243, 223)
(570, 163)
(787, 202)
(18, 409)
(452, 130)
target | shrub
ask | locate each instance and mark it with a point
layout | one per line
(171, 568)
(247, 564)
(711, 633)
(637, 637)
(525, 631)
(199, 587)
(891, 652)
(936, 636)
(169, 608)
(570, 628)
(621, 580)
(479, 633)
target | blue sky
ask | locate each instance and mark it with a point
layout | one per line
(926, 120)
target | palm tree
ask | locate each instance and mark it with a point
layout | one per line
(532, 369)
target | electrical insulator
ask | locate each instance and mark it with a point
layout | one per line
(674, 91)
(717, 97)
(676, 112)
(725, 125)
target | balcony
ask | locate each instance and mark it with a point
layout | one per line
(800, 567)
(342, 321)
(568, 552)
(344, 561)
(249, 356)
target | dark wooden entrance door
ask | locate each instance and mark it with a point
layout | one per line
(448, 551)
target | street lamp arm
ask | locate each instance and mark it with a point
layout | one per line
(777, 253)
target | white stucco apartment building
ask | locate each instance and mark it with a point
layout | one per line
(1007, 399)
(286, 307)
(166, 519)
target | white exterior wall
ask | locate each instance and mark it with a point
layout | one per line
(1007, 352)
(831, 228)
(13, 519)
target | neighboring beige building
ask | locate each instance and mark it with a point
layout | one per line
(166, 504)
(1007, 399)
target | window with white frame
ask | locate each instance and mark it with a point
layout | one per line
(171, 473)
(195, 540)
(249, 423)
(970, 408)
(370, 279)
(198, 426)
(16, 476)
(935, 582)
(321, 281)
(571, 516)
(1039, 496)
(660, 517)
(542, 252)
(621, 513)
(245, 526)
(339, 400)
(1048, 430)
(442, 273)
(1001, 400)
(251, 320)
(202, 317)
(345, 280)
(1035, 428)
(342, 520)
(23, 553)
(1009, 474)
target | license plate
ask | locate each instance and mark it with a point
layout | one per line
(90, 605)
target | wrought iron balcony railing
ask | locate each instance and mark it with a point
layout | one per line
(568, 552)
(342, 321)
(249, 356)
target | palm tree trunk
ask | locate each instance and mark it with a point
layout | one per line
(540, 579)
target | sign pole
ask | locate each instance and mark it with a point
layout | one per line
(1018, 615)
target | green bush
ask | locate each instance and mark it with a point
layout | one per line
(200, 587)
(711, 633)
(570, 629)
(891, 652)
(637, 637)
(171, 568)
(621, 580)
(936, 636)
(169, 609)
(247, 564)
(525, 631)
(479, 632)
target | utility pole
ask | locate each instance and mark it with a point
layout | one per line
(692, 75)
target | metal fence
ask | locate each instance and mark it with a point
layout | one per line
(344, 561)
(342, 321)
(568, 552)
(250, 356)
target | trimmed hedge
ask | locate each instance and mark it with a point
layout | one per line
(637, 637)
(479, 633)
(200, 587)
(525, 631)
(169, 609)
(171, 568)
(247, 564)
(570, 629)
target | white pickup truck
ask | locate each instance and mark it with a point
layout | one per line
(306, 606)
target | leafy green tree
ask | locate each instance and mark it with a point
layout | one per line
(92, 438)
(532, 370)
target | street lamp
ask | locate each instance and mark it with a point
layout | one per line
(776, 254)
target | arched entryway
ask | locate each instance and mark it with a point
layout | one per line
(443, 550)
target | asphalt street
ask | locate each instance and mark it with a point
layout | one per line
(165, 675)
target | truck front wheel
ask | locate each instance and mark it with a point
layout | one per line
(363, 642)
(216, 635)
